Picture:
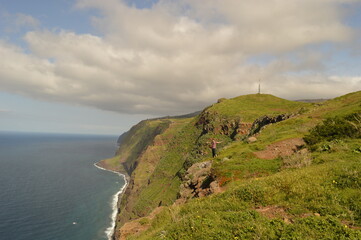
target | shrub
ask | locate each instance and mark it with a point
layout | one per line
(335, 128)
(253, 193)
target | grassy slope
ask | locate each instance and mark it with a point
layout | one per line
(321, 201)
(139, 138)
(250, 107)
(134, 143)
(154, 181)
(246, 109)
(156, 174)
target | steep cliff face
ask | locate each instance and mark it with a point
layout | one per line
(163, 157)
(137, 140)
(152, 154)
(132, 144)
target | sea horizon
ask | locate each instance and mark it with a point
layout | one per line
(57, 133)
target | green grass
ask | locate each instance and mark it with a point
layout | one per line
(251, 107)
(290, 128)
(136, 141)
(237, 161)
(242, 163)
(155, 179)
(340, 106)
(113, 164)
(321, 202)
(317, 200)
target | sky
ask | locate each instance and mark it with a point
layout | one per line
(99, 67)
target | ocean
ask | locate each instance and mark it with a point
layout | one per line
(50, 188)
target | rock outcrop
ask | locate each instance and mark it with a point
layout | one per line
(212, 122)
(265, 120)
(198, 182)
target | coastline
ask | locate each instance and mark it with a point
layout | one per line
(116, 198)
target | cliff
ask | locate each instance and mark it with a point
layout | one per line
(276, 175)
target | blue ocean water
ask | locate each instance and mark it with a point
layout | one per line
(50, 189)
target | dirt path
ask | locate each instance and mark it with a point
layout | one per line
(281, 149)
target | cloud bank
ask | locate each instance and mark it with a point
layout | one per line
(179, 56)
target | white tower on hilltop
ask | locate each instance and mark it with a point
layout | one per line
(259, 86)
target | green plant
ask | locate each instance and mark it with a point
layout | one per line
(357, 150)
(144, 221)
(281, 198)
(335, 128)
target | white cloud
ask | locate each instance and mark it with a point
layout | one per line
(180, 56)
(23, 20)
(14, 23)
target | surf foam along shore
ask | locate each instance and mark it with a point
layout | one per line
(110, 230)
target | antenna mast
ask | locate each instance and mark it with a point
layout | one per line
(259, 86)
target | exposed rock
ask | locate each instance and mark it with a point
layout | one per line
(200, 182)
(212, 122)
(214, 187)
(265, 120)
(244, 128)
(252, 139)
(185, 192)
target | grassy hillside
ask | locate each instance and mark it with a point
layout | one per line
(250, 107)
(153, 153)
(133, 143)
(275, 187)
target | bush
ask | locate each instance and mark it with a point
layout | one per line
(253, 193)
(335, 128)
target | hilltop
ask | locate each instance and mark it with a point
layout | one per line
(285, 170)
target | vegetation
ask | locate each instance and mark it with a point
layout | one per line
(319, 202)
(137, 140)
(334, 128)
(313, 193)
(250, 107)
(162, 184)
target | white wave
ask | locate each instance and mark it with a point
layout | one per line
(110, 230)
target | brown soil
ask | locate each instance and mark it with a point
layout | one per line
(135, 227)
(281, 149)
(273, 212)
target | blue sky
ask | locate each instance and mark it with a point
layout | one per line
(21, 114)
(88, 66)
(26, 114)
